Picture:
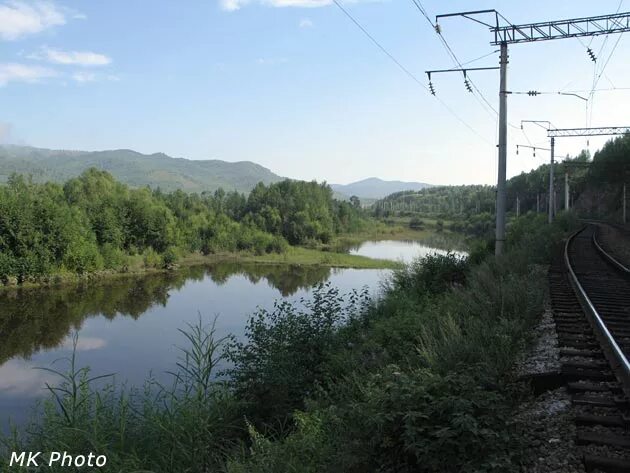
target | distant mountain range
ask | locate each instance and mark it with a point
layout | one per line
(375, 188)
(168, 173)
(135, 169)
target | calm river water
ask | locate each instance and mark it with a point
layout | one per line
(129, 326)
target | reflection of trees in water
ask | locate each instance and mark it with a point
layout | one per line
(32, 319)
(288, 279)
(444, 241)
(35, 319)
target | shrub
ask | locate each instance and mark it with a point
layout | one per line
(82, 256)
(432, 274)
(281, 361)
(113, 257)
(151, 258)
(170, 257)
(416, 223)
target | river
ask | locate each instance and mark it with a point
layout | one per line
(128, 326)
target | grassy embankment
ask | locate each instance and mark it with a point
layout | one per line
(419, 380)
(293, 255)
(329, 255)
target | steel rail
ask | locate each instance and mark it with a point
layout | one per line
(620, 359)
(611, 259)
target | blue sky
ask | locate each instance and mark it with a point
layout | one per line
(294, 85)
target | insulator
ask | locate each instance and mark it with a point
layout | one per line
(516, 149)
(591, 54)
(467, 84)
(431, 89)
(534, 152)
(438, 29)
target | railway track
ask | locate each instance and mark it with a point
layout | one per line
(591, 305)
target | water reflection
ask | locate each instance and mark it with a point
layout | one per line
(129, 325)
(36, 319)
(409, 250)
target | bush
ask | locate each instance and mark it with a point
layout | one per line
(151, 258)
(113, 257)
(416, 223)
(432, 274)
(280, 363)
(82, 256)
(418, 380)
(421, 381)
(170, 257)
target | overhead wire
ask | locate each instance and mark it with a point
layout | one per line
(596, 77)
(407, 71)
(608, 60)
(458, 63)
(486, 104)
(450, 51)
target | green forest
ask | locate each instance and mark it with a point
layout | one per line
(94, 222)
(595, 190)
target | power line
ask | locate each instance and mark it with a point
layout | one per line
(480, 57)
(608, 60)
(589, 117)
(423, 11)
(450, 51)
(407, 71)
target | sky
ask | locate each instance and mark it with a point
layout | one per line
(297, 87)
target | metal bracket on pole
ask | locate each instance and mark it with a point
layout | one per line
(510, 34)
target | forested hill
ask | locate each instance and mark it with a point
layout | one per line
(375, 188)
(135, 169)
(595, 190)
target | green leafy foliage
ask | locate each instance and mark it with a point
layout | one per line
(281, 361)
(419, 379)
(94, 222)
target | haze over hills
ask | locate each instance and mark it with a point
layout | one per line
(375, 188)
(135, 169)
(168, 173)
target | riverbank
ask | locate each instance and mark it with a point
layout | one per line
(421, 378)
(137, 266)
(296, 255)
(332, 255)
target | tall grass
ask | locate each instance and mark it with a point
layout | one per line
(189, 425)
(418, 380)
(423, 380)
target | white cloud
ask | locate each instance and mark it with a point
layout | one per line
(231, 5)
(20, 18)
(297, 3)
(13, 72)
(305, 23)
(269, 61)
(82, 77)
(77, 58)
(84, 343)
(19, 377)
